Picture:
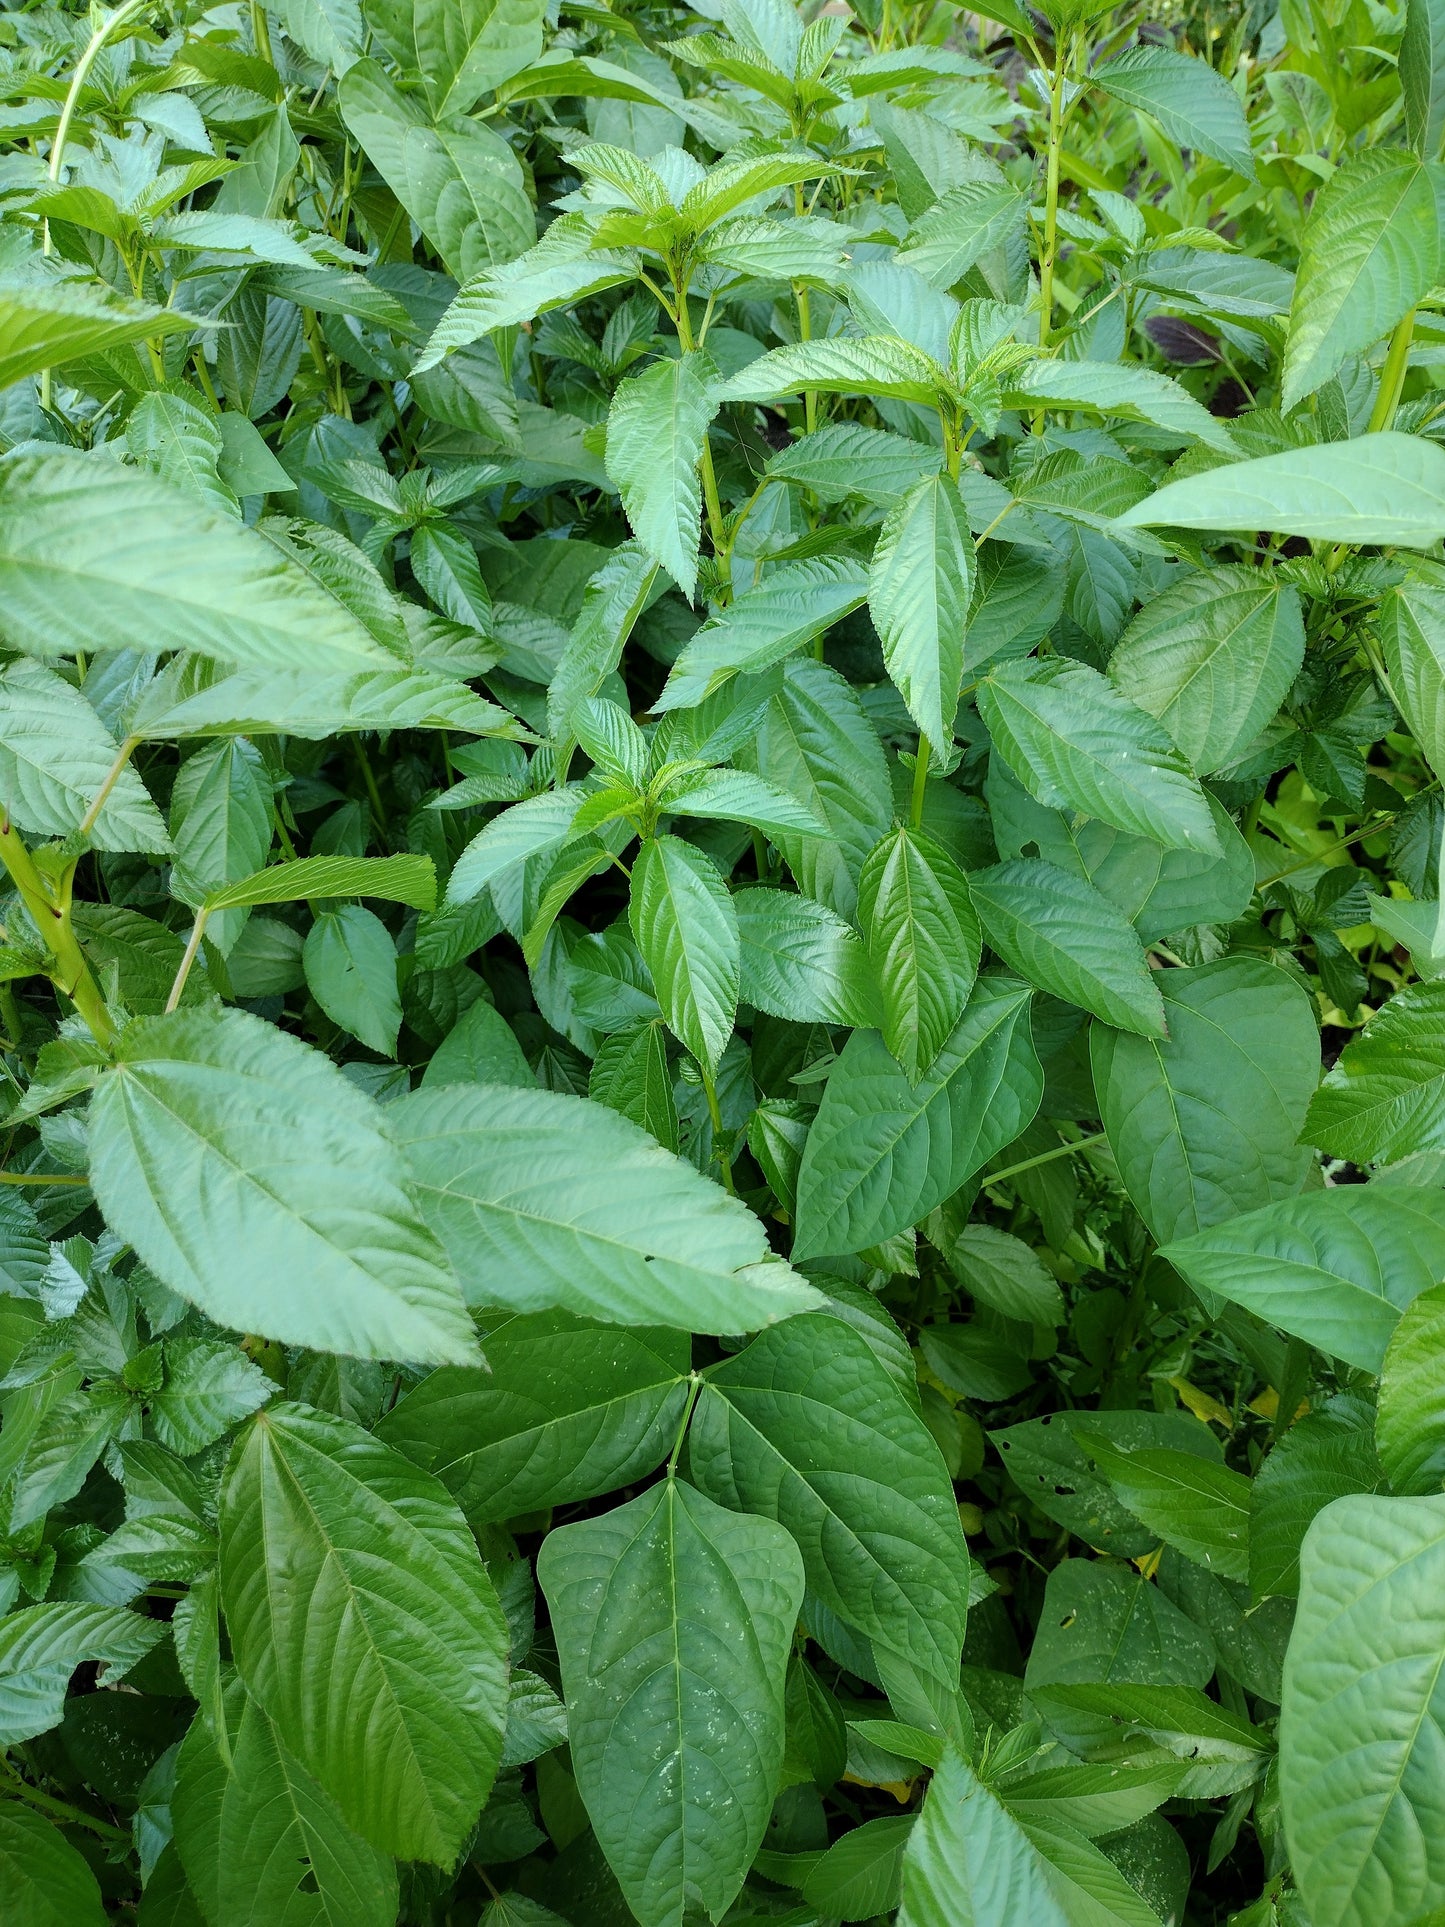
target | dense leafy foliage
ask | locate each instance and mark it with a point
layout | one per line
(722, 973)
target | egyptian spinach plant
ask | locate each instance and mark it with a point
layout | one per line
(707, 720)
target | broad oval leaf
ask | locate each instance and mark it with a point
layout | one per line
(1364, 1703)
(1205, 1123)
(799, 960)
(674, 1619)
(363, 1621)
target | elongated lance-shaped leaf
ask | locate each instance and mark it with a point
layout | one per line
(656, 431)
(923, 941)
(393, 879)
(919, 589)
(687, 930)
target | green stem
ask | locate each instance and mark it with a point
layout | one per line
(1044, 1157)
(119, 18)
(1051, 195)
(1392, 375)
(52, 920)
(127, 750)
(921, 762)
(59, 1809)
(694, 1386)
(715, 1113)
(38, 1177)
(198, 930)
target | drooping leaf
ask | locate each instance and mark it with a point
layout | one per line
(923, 943)
(548, 1201)
(1192, 101)
(364, 1623)
(687, 930)
(656, 430)
(920, 585)
(1384, 1097)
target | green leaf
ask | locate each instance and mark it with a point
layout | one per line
(314, 704)
(1192, 101)
(95, 556)
(674, 1619)
(920, 585)
(221, 824)
(392, 879)
(1410, 1427)
(969, 222)
(1054, 1473)
(630, 1075)
(1384, 1097)
(566, 1409)
(55, 756)
(457, 179)
(883, 1151)
(459, 52)
(236, 1161)
(807, 1427)
(350, 965)
(1334, 1267)
(260, 1840)
(547, 1201)
(1422, 76)
(874, 365)
(1069, 939)
(1104, 1622)
(1364, 1701)
(1370, 251)
(44, 1880)
(1386, 488)
(799, 960)
(481, 1048)
(970, 1864)
(1004, 1273)
(656, 433)
(1412, 623)
(1205, 1123)
(1130, 393)
(611, 603)
(1194, 1504)
(561, 268)
(845, 458)
(1213, 658)
(364, 1623)
(1325, 1455)
(815, 742)
(734, 796)
(41, 1646)
(445, 566)
(44, 322)
(209, 1385)
(1094, 1721)
(687, 930)
(1075, 742)
(859, 1876)
(923, 942)
(794, 602)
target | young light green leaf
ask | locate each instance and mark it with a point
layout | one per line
(44, 322)
(970, 1864)
(313, 705)
(391, 879)
(656, 433)
(209, 1386)
(1386, 488)
(920, 585)
(350, 965)
(1132, 394)
(1192, 101)
(549, 1201)
(674, 1620)
(874, 365)
(1410, 1425)
(631, 1075)
(55, 758)
(799, 960)
(687, 930)
(41, 1646)
(1384, 1097)
(96, 556)
(1213, 658)
(1075, 742)
(883, 1151)
(364, 1623)
(806, 1426)
(1335, 1267)
(1363, 1705)
(1069, 939)
(923, 943)
(1205, 1123)
(794, 602)
(254, 1180)
(1370, 251)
